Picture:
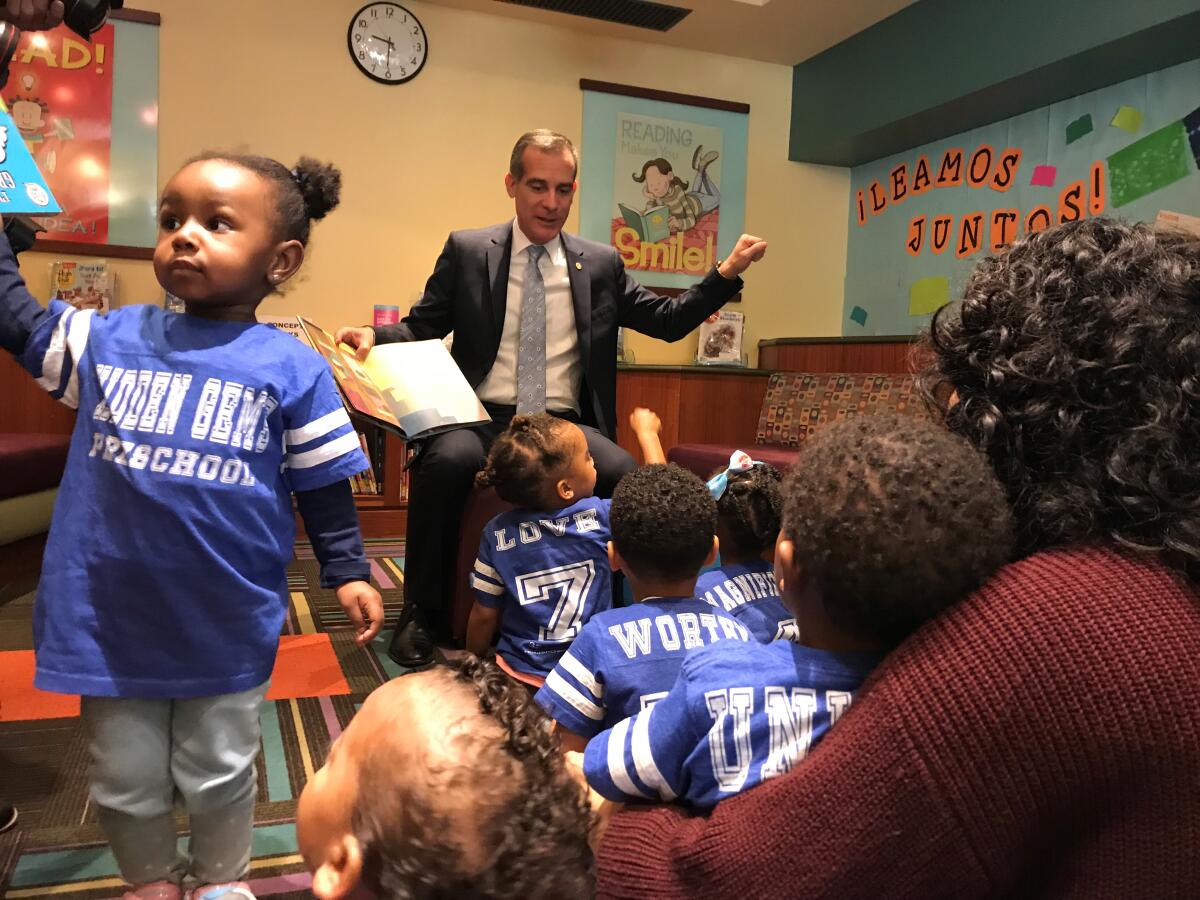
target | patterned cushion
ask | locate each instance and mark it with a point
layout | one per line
(797, 403)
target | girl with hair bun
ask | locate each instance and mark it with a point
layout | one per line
(164, 591)
(543, 568)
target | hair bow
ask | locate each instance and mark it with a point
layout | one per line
(740, 461)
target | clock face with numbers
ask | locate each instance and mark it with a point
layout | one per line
(387, 43)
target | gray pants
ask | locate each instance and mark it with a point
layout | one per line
(144, 750)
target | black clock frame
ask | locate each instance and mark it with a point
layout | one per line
(391, 82)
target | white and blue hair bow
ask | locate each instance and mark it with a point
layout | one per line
(740, 461)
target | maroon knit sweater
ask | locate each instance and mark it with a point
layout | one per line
(1041, 739)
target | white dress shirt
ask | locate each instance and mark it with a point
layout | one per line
(564, 369)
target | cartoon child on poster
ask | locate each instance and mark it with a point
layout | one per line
(44, 137)
(662, 187)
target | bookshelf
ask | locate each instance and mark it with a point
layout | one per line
(382, 513)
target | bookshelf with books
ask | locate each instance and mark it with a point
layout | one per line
(381, 492)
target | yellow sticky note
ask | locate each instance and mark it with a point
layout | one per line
(1128, 118)
(928, 295)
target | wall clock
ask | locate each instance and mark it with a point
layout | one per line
(387, 43)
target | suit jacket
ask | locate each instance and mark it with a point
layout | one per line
(468, 294)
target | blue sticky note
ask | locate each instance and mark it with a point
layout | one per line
(23, 190)
(858, 316)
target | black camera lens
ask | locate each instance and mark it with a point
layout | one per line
(86, 17)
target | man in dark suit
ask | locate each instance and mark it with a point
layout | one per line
(535, 314)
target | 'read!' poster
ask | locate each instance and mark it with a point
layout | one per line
(59, 93)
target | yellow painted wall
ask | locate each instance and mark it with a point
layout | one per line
(427, 157)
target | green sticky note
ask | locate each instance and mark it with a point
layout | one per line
(1128, 118)
(1078, 128)
(858, 316)
(928, 295)
(1160, 158)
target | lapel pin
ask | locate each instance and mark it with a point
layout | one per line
(579, 265)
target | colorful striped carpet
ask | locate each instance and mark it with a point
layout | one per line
(320, 680)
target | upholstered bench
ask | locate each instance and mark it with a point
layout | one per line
(31, 467)
(796, 404)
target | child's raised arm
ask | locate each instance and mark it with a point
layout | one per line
(20, 313)
(646, 426)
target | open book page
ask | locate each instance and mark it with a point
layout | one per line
(424, 387)
(416, 388)
(357, 387)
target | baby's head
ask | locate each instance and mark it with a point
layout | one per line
(664, 522)
(447, 783)
(749, 506)
(540, 462)
(887, 520)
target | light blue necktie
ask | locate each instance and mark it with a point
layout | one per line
(531, 348)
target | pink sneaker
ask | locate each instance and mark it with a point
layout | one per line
(158, 890)
(230, 890)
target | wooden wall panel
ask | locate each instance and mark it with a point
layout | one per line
(696, 405)
(837, 355)
(25, 408)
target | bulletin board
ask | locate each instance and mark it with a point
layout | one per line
(920, 220)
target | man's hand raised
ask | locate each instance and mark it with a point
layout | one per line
(748, 249)
(361, 340)
(33, 15)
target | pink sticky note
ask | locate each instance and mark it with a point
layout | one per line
(1043, 176)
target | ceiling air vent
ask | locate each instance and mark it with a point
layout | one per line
(639, 13)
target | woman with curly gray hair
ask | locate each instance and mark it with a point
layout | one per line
(1041, 737)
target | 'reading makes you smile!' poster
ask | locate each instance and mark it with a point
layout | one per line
(666, 183)
(662, 182)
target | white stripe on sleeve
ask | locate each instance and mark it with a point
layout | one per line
(486, 586)
(320, 427)
(580, 673)
(77, 338)
(643, 757)
(484, 569)
(563, 689)
(347, 443)
(52, 359)
(616, 761)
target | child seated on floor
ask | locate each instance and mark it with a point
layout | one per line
(887, 520)
(748, 510)
(447, 783)
(663, 532)
(542, 569)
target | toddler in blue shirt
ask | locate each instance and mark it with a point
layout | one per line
(748, 510)
(663, 531)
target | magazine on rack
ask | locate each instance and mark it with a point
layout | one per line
(413, 388)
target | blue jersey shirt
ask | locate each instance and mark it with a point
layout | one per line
(548, 573)
(164, 572)
(749, 594)
(626, 659)
(739, 714)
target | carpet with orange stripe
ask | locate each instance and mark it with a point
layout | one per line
(320, 679)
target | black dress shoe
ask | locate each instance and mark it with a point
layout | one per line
(8, 817)
(411, 646)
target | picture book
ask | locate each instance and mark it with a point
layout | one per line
(413, 388)
(85, 285)
(23, 190)
(721, 339)
(651, 226)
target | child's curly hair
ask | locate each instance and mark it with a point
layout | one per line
(894, 519)
(510, 804)
(524, 458)
(663, 519)
(751, 508)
